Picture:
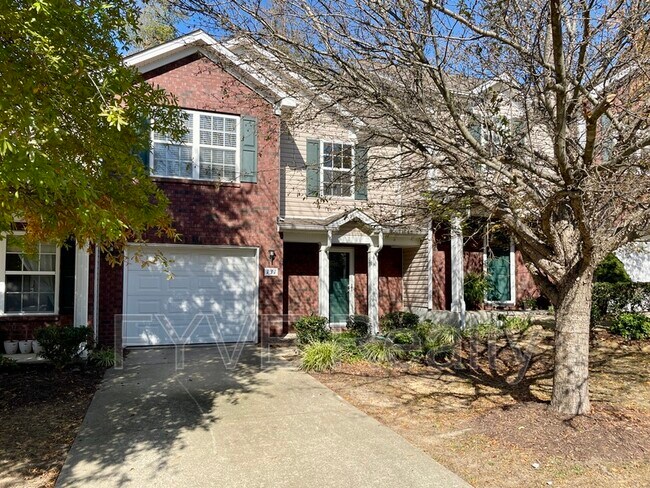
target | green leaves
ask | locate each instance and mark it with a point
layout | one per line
(70, 125)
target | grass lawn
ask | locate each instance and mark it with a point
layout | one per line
(495, 431)
(40, 413)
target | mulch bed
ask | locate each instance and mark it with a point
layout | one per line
(607, 433)
(41, 410)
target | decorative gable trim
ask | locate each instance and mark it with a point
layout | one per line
(202, 43)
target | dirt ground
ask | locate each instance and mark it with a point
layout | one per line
(40, 413)
(487, 419)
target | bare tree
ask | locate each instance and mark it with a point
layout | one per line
(531, 112)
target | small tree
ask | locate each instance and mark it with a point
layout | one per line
(72, 124)
(533, 113)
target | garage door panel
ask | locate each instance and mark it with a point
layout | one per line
(219, 282)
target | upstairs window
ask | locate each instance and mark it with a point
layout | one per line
(209, 151)
(337, 167)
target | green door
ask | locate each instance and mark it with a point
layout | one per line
(498, 273)
(339, 286)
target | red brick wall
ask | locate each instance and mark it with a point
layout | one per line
(525, 285)
(208, 213)
(22, 328)
(300, 279)
(441, 271)
(390, 280)
(361, 280)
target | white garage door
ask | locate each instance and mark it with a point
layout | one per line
(208, 296)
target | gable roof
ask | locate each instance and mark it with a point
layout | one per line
(200, 42)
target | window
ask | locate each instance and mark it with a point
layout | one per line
(30, 280)
(337, 168)
(209, 151)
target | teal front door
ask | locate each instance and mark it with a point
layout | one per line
(339, 287)
(498, 270)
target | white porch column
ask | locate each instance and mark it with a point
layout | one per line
(81, 269)
(373, 288)
(324, 276)
(457, 270)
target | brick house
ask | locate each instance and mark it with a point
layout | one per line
(278, 218)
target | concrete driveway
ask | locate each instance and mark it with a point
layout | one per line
(255, 421)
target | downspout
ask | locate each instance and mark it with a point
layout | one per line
(96, 296)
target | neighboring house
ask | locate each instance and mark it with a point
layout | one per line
(278, 218)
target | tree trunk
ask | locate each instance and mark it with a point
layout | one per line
(571, 373)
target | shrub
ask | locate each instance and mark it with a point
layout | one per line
(398, 320)
(61, 345)
(350, 343)
(516, 324)
(631, 326)
(322, 356)
(483, 331)
(475, 288)
(423, 330)
(312, 328)
(615, 298)
(401, 336)
(358, 325)
(381, 351)
(611, 270)
(104, 358)
(442, 339)
(7, 363)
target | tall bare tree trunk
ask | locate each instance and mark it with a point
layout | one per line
(571, 376)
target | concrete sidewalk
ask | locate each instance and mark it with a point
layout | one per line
(261, 423)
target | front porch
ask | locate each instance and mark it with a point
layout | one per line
(346, 265)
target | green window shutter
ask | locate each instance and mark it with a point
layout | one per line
(361, 173)
(248, 159)
(313, 168)
(145, 153)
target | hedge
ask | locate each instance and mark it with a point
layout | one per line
(615, 298)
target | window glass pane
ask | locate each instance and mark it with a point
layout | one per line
(205, 122)
(30, 263)
(30, 302)
(46, 302)
(14, 262)
(46, 284)
(231, 140)
(15, 243)
(48, 262)
(172, 160)
(14, 284)
(346, 157)
(206, 137)
(48, 248)
(229, 158)
(12, 302)
(231, 125)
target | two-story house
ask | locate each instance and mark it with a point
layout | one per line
(280, 215)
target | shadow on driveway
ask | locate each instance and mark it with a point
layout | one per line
(258, 423)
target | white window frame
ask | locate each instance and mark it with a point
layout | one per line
(196, 147)
(338, 170)
(4, 273)
(513, 270)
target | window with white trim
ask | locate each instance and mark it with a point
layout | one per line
(30, 279)
(337, 169)
(209, 151)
